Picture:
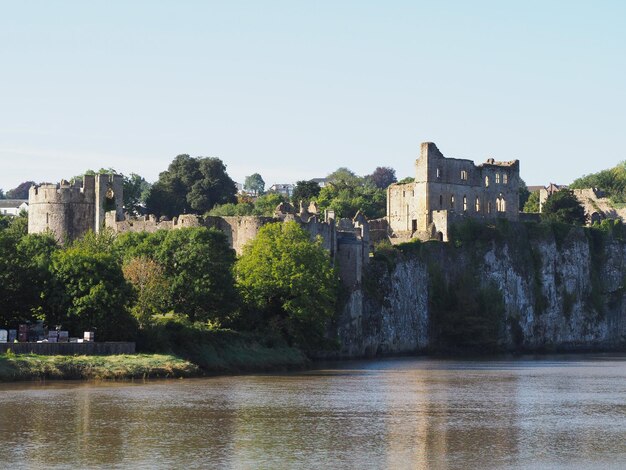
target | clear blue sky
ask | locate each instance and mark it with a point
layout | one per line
(293, 90)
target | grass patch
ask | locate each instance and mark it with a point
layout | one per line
(15, 367)
(219, 350)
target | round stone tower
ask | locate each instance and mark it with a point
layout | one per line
(71, 210)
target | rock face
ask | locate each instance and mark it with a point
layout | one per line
(525, 287)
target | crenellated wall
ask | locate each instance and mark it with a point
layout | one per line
(71, 210)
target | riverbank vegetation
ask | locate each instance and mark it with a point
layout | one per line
(132, 366)
(181, 292)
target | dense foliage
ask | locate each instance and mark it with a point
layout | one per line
(532, 203)
(347, 193)
(383, 176)
(611, 181)
(191, 185)
(563, 206)
(21, 191)
(264, 205)
(305, 191)
(255, 184)
(288, 283)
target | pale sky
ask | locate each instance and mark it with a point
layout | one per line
(293, 90)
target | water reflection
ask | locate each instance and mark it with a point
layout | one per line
(401, 413)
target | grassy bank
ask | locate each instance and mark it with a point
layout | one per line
(219, 351)
(170, 349)
(35, 367)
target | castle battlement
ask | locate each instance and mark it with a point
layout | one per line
(69, 210)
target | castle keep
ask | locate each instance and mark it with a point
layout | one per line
(449, 189)
(69, 210)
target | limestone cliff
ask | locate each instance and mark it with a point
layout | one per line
(513, 287)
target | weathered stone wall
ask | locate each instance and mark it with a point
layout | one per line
(68, 211)
(485, 191)
(560, 292)
(238, 230)
(71, 210)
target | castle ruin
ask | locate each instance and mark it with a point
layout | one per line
(446, 190)
(69, 210)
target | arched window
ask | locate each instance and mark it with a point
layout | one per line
(438, 173)
(498, 204)
(497, 178)
(477, 204)
(505, 178)
(452, 201)
(502, 204)
(464, 175)
(464, 203)
(486, 181)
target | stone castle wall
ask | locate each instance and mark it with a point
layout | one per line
(70, 210)
(455, 185)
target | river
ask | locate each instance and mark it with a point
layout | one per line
(545, 412)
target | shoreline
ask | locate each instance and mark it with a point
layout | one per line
(15, 368)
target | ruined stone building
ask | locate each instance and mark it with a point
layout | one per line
(449, 189)
(69, 210)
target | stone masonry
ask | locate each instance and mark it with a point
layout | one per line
(449, 189)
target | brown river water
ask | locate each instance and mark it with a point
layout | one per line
(544, 412)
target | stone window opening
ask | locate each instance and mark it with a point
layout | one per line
(452, 201)
(477, 204)
(464, 203)
(489, 207)
(497, 178)
(486, 181)
(47, 218)
(500, 204)
(464, 175)
(505, 178)
(440, 201)
(438, 173)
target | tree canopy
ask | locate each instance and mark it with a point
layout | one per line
(532, 203)
(305, 191)
(255, 184)
(289, 282)
(383, 176)
(563, 206)
(20, 192)
(191, 185)
(346, 194)
(611, 181)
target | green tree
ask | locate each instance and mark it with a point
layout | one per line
(136, 190)
(255, 184)
(305, 191)
(563, 206)
(191, 185)
(198, 264)
(347, 194)
(148, 279)
(266, 205)
(230, 209)
(289, 281)
(611, 181)
(524, 193)
(24, 275)
(532, 203)
(91, 294)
